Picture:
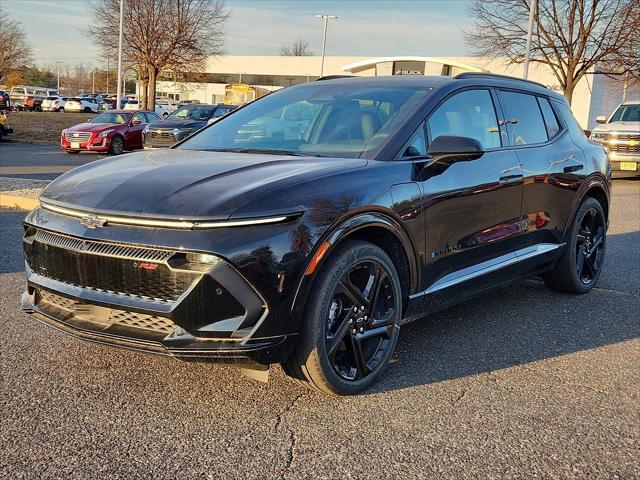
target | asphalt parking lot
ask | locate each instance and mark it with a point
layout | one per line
(522, 383)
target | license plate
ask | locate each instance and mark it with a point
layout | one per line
(75, 145)
(633, 166)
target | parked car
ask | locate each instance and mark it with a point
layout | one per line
(5, 128)
(81, 104)
(108, 103)
(114, 132)
(30, 98)
(405, 195)
(5, 100)
(53, 103)
(182, 123)
(136, 105)
(170, 105)
(620, 133)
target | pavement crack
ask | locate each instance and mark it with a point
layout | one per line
(292, 438)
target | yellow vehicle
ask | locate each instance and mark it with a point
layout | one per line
(4, 126)
(240, 93)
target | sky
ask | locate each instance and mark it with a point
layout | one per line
(261, 27)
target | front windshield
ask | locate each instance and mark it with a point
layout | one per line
(192, 112)
(627, 113)
(320, 119)
(109, 117)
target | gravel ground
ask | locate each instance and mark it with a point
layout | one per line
(42, 127)
(22, 187)
(524, 383)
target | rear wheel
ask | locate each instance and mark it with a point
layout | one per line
(87, 110)
(579, 268)
(117, 145)
(351, 321)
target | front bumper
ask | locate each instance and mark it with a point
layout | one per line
(147, 299)
(93, 144)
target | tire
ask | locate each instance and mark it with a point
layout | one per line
(580, 266)
(61, 110)
(117, 145)
(87, 110)
(332, 322)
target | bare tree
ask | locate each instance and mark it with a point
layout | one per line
(15, 51)
(299, 48)
(160, 35)
(572, 37)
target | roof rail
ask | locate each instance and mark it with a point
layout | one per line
(496, 75)
(332, 77)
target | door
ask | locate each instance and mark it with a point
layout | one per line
(552, 165)
(133, 137)
(472, 208)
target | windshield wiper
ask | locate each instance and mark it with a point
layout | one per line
(266, 151)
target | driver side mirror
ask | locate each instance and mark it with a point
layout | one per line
(601, 119)
(135, 121)
(448, 149)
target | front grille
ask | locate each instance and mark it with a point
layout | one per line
(624, 148)
(103, 248)
(78, 136)
(160, 136)
(149, 323)
(89, 264)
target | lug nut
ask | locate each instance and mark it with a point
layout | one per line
(350, 321)
(366, 318)
(355, 309)
(353, 331)
(361, 308)
(361, 329)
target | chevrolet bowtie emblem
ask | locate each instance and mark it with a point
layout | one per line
(91, 221)
(633, 143)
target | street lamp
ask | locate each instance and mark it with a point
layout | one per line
(119, 83)
(527, 53)
(324, 37)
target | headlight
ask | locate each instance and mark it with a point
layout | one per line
(145, 130)
(202, 258)
(104, 133)
(597, 135)
(181, 131)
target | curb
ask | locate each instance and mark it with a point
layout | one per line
(20, 203)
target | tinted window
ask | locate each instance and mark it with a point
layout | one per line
(141, 117)
(467, 114)
(526, 125)
(550, 119)
(152, 117)
(569, 121)
(416, 145)
(626, 113)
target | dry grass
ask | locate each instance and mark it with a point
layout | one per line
(42, 127)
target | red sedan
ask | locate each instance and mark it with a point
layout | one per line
(110, 132)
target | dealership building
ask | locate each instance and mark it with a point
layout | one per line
(595, 94)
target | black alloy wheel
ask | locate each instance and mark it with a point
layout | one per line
(579, 268)
(117, 145)
(590, 246)
(351, 322)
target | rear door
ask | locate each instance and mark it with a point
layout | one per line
(552, 165)
(472, 207)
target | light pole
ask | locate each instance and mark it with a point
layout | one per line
(527, 53)
(324, 37)
(119, 83)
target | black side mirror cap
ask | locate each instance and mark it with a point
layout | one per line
(450, 149)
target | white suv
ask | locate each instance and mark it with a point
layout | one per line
(136, 105)
(84, 104)
(53, 104)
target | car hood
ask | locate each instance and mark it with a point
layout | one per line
(91, 127)
(184, 184)
(618, 127)
(170, 123)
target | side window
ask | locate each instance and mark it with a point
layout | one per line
(569, 121)
(526, 126)
(152, 117)
(416, 146)
(219, 112)
(550, 119)
(467, 114)
(141, 117)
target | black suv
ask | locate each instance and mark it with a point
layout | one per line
(363, 204)
(182, 123)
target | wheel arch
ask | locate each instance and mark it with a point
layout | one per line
(377, 228)
(596, 187)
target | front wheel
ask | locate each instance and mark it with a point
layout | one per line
(351, 321)
(579, 268)
(117, 145)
